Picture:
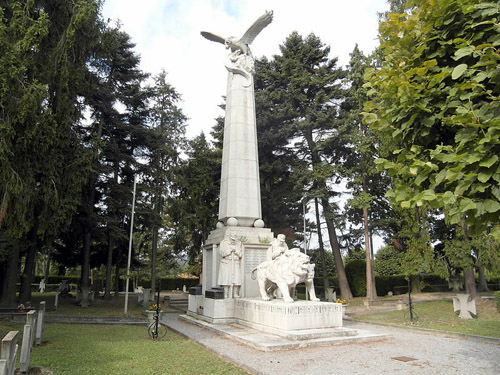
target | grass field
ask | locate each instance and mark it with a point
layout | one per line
(440, 315)
(118, 350)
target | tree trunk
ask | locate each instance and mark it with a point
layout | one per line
(371, 293)
(321, 249)
(345, 290)
(29, 266)
(85, 281)
(9, 278)
(483, 285)
(46, 272)
(470, 283)
(109, 268)
(117, 272)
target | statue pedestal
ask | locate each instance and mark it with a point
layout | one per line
(281, 316)
(301, 320)
(256, 242)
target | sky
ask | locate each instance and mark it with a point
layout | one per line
(167, 36)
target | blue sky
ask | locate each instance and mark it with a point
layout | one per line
(167, 34)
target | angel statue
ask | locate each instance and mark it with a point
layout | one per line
(242, 45)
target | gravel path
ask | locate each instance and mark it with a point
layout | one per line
(428, 354)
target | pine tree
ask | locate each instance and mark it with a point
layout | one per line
(45, 50)
(305, 87)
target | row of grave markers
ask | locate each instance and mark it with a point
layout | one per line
(32, 332)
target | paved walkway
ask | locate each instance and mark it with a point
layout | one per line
(405, 352)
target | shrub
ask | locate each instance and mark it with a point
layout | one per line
(356, 276)
(497, 296)
(387, 261)
(395, 283)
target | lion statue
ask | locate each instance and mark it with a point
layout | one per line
(285, 272)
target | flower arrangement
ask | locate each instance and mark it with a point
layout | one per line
(153, 307)
(342, 301)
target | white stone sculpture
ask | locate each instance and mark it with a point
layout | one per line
(242, 45)
(41, 286)
(278, 247)
(231, 251)
(240, 203)
(285, 272)
(462, 303)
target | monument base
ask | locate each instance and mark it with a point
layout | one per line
(277, 314)
(299, 320)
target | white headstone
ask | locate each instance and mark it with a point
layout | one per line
(8, 353)
(461, 303)
(27, 343)
(39, 324)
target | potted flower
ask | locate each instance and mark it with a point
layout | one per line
(152, 311)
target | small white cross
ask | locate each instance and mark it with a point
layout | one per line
(461, 302)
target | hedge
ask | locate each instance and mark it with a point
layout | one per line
(167, 283)
(497, 297)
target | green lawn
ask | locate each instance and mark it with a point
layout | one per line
(439, 315)
(117, 350)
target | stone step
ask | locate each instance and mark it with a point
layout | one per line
(178, 301)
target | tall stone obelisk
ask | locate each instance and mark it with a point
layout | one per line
(240, 185)
(240, 203)
(240, 215)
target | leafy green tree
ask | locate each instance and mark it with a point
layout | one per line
(162, 156)
(114, 138)
(305, 88)
(388, 261)
(360, 163)
(192, 209)
(437, 100)
(281, 196)
(45, 51)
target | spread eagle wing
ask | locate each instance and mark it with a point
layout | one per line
(213, 37)
(256, 28)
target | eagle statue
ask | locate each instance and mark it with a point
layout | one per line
(242, 44)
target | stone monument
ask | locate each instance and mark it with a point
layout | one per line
(241, 247)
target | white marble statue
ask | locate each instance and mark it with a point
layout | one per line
(240, 200)
(278, 247)
(231, 251)
(285, 272)
(242, 45)
(41, 286)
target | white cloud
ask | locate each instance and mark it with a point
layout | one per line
(167, 34)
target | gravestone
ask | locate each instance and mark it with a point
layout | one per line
(39, 324)
(27, 342)
(41, 286)
(462, 303)
(8, 353)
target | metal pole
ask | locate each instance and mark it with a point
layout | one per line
(410, 307)
(305, 236)
(129, 249)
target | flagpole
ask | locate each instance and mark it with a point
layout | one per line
(129, 249)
